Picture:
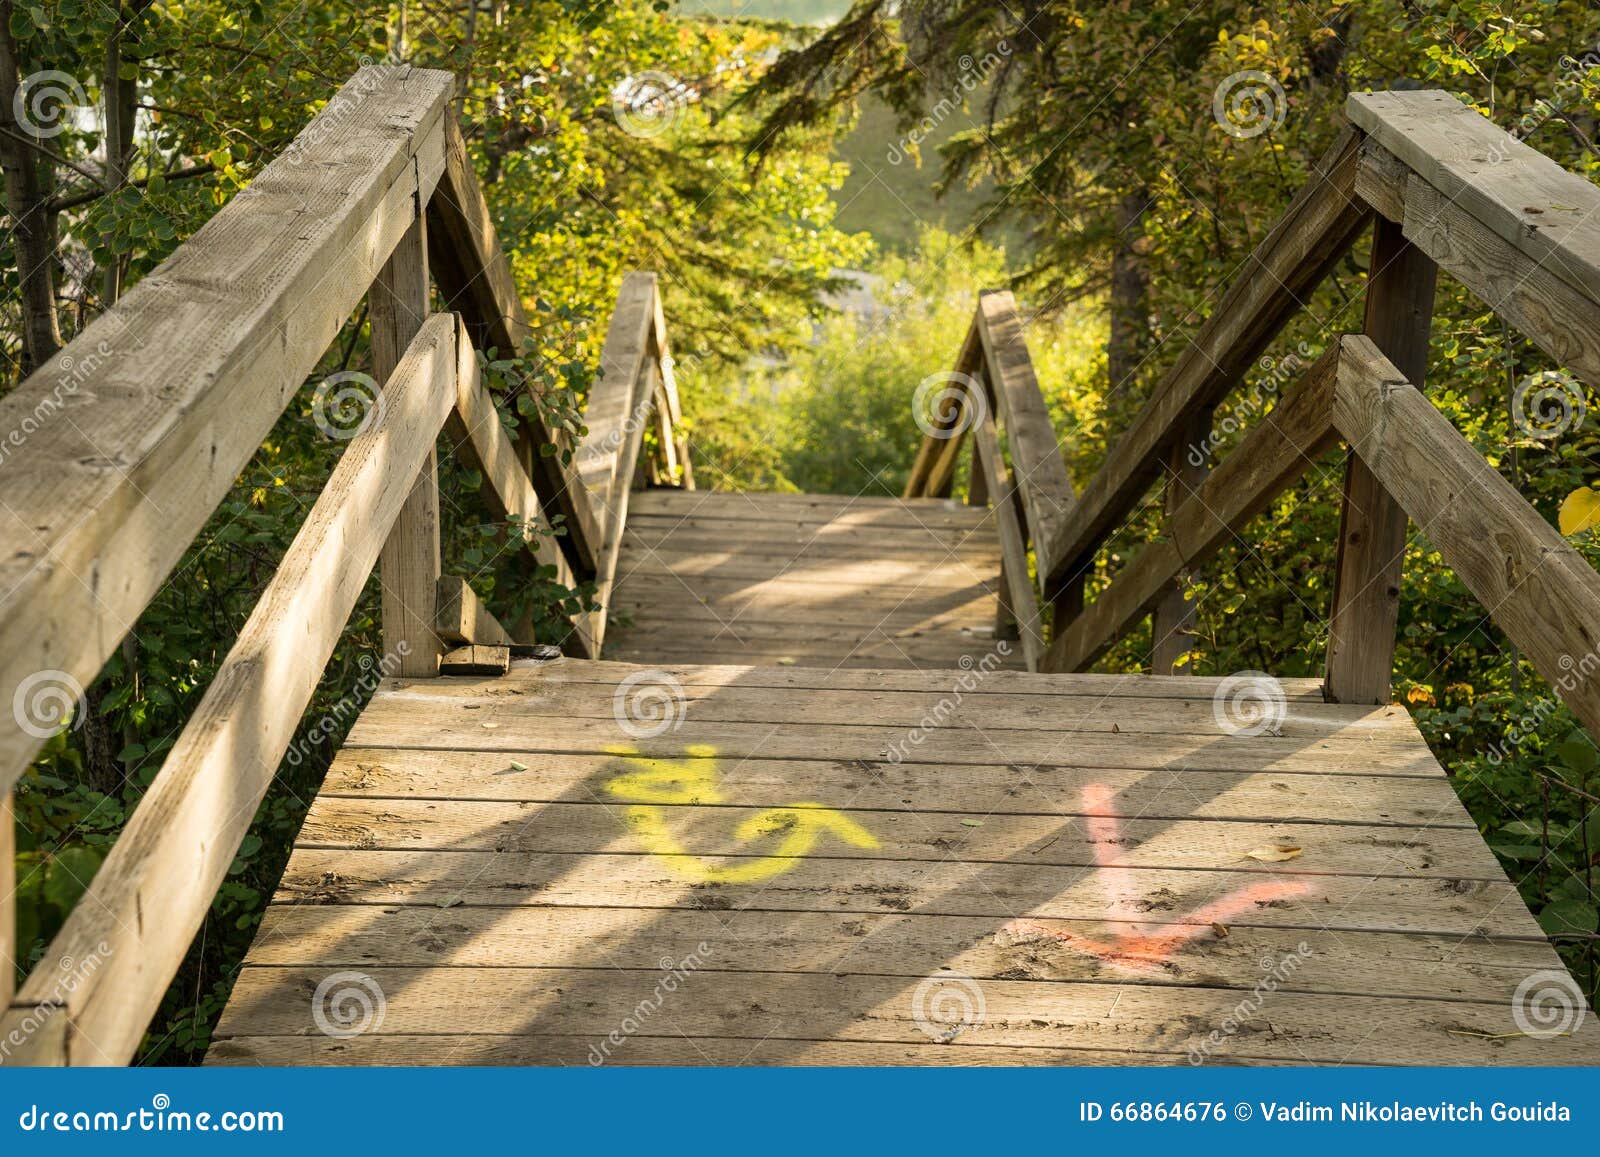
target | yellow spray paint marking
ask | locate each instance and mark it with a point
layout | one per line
(694, 781)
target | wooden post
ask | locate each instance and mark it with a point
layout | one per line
(1372, 526)
(9, 948)
(409, 565)
(1172, 621)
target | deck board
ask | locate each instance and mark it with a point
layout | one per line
(519, 877)
(807, 580)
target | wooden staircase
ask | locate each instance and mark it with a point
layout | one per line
(817, 780)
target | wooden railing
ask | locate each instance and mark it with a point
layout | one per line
(993, 376)
(172, 391)
(1446, 189)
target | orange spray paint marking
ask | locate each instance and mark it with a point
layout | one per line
(1146, 948)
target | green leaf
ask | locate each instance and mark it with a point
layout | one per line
(68, 876)
(1568, 916)
(1578, 753)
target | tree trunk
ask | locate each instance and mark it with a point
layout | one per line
(29, 180)
(1129, 306)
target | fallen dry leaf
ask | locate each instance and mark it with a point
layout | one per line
(1220, 929)
(1274, 853)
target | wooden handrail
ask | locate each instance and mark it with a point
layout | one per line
(636, 388)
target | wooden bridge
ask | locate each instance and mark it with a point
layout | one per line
(819, 782)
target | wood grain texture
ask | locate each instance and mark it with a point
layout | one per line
(1529, 579)
(462, 618)
(1372, 525)
(1286, 443)
(1021, 604)
(156, 885)
(814, 580)
(150, 414)
(1274, 283)
(1523, 197)
(8, 900)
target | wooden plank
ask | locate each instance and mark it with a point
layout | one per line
(409, 566)
(462, 617)
(1296, 692)
(669, 411)
(726, 571)
(1527, 576)
(796, 505)
(475, 279)
(1041, 475)
(475, 429)
(797, 518)
(1381, 180)
(586, 1004)
(439, 880)
(933, 470)
(1065, 841)
(884, 944)
(1275, 282)
(873, 653)
(177, 847)
(165, 396)
(991, 788)
(1372, 526)
(474, 659)
(1560, 320)
(612, 412)
(540, 1049)
(972, 701)
(1172, 621)
(1282, 447)
(1531, 203)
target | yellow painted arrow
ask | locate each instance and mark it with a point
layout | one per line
(801, 825)
(692, 780)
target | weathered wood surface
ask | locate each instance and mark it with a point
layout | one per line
(1282, 447)
(1372, 526)
(462, 618)
(933, 470)
(817, 580)
(1264, 293)
(1529, 578)
(1021, 603)
(1527, 200)
(477, 436)
(474, 279)
(138, 428)
(518, 905)
(408, 568)
(156, 885)
(8, 900)
(1173, 619)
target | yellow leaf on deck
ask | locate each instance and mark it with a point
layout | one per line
(1274, 853)
(1581, 511)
